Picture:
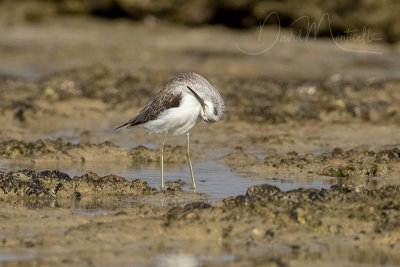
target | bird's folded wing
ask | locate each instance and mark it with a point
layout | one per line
(151, 111)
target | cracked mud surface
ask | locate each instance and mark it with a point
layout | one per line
(312, 125)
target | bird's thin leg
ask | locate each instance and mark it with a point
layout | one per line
(190, 162)
(162, 161)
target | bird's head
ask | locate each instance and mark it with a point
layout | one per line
(212, 112)
(212, 106)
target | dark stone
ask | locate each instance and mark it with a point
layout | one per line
(262, 191)
(55, 174)
(196, 205)
(269, 233)
(77, 195)
(119, 213)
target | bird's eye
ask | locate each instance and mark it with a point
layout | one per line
(215, 111)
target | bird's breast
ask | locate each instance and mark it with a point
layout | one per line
(177, 120)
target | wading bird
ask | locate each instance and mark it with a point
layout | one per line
(183, 101)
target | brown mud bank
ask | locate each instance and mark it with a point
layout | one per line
(334, 18)
(338, 98)
(59, 150)
(84, 104)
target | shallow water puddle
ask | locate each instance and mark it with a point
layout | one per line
(187, 260)
(11, 256)
(215, 180)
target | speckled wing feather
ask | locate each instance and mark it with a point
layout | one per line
(151, 111)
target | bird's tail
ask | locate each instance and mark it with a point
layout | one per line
(121, 126)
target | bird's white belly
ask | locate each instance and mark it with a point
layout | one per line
(177, 120)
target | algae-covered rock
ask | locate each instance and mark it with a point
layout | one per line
(56, 184)
(187, 212)
(343, 206)
(335, 163)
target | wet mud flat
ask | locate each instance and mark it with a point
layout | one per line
(336, 129)
(51, 218)
(264, 226)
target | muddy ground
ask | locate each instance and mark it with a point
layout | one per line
(303, 112)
